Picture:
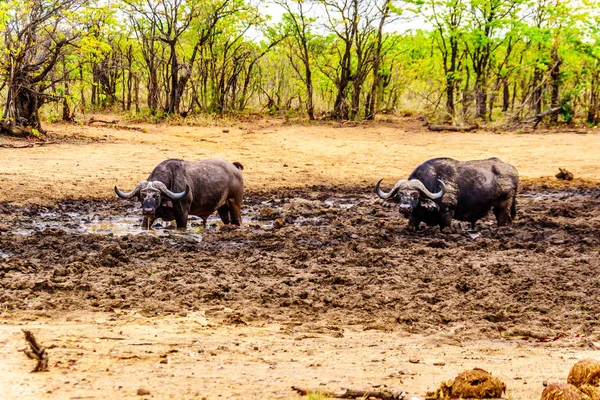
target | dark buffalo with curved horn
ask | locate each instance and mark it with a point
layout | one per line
(443, 189)
(176, 189)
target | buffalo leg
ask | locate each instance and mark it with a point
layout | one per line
(224, 214)
(235, 211)
(181, 219)
(446, 221)
(501, 211)
(147, 222)
(413, 223)
(513, 208)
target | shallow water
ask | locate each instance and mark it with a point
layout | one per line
(129, 224)
(127, 221)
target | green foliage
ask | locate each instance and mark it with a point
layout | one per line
(567, 110)
(179, 58)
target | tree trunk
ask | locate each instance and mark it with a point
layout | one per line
(152, 89)
(371, 107)
(555, 83)
(592, 112)
(21, 112)
(505, 96)
(340, 107)
(136, 93)
(66, 112)
(536, 100)
(81, 86)
(309, 93)
(451, 78)
(480, 102)
(173, 95)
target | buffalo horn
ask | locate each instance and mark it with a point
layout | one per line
(172, 195)
(417, 184)
(134, 192)
(392, 192)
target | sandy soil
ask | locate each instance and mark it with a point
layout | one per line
(340, 295)
(91, 160)
(112, 355)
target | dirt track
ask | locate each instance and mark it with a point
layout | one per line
(341, 271)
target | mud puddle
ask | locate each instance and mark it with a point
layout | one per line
(318, 254)
(129, 224)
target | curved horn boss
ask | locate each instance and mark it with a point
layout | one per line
(134, 192)
(392, 192)
(172, 195)
(417, 184)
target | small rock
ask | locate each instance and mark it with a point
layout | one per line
(278, 223)
(267, 213)
(143, 392)
(439, 363)
(414, 360)
(225, 130)
(564, 175)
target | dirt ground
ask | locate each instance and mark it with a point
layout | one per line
(321, 288)
(90, 160)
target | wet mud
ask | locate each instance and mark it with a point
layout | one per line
(327, 255)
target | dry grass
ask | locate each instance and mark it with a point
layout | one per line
(473, 384)
(585, 372)
(561, 391)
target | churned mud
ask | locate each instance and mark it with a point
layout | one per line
(321, 287)
(322, 253)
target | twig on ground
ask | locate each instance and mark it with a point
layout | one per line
(356, 394)
(114, 124)
(452, 128)
(564, 175)
(535, 120)
(37, 352)
(24, 145)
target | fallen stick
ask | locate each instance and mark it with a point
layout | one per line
(355, 394)
(37, 352)
(92, 120)
(115, 125)
(111, 338)
(15, 146)
(452, 128)
(538, 118)
(24, 145)
(564, 175)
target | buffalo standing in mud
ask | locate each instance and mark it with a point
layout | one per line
(177, 188)
(443, 189)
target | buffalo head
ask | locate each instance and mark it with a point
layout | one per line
(409, 194)
(152, 194)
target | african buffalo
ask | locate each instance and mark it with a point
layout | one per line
(443, 189)
(177, 188)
